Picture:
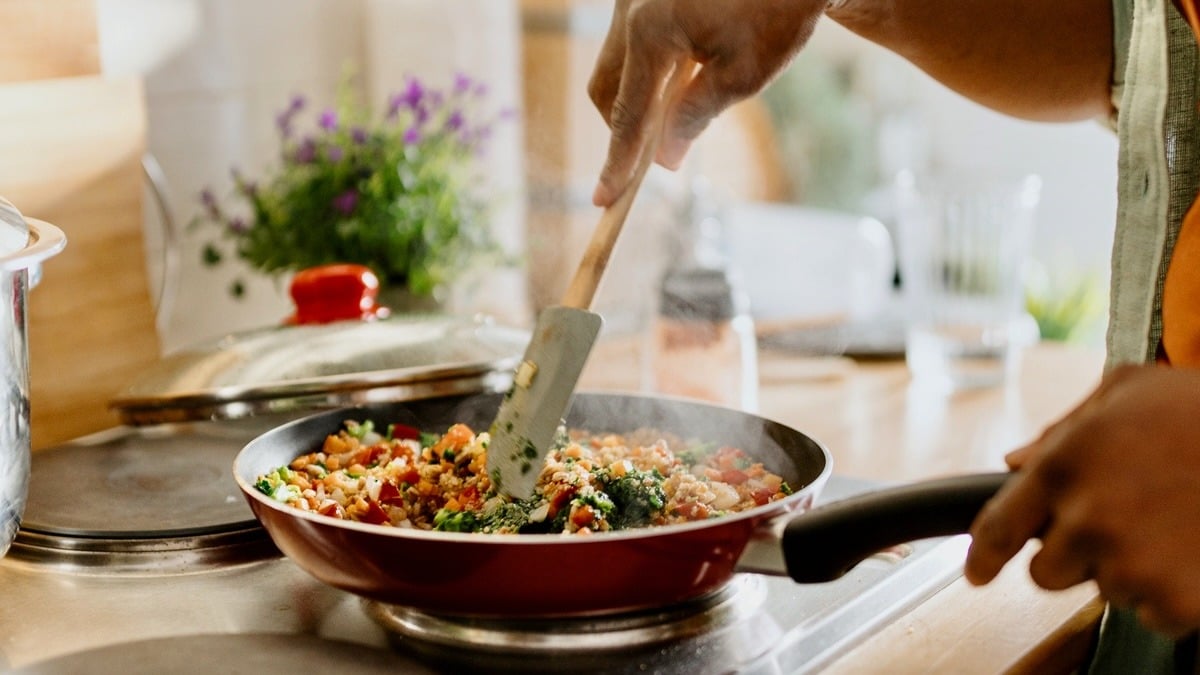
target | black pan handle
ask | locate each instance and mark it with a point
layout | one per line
(828, 541)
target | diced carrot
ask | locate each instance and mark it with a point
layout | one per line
(456, 438)
(583, 515)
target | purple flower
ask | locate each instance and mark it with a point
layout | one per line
(412, 136)
(283, 122)
(455, 121)
(462, 83)
(306, 152)
(345, 202)
(358, 135)
(481, 89)
(209, 200)
(237, 225)
(413, 94)
(328, 120)
(334, 153)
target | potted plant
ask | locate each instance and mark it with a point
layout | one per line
(392, 190)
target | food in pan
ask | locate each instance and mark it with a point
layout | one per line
(591, 482)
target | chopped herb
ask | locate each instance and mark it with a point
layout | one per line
(637, 496)
(428, 440)
(263, 486)
(785, 488)
(597, 500)
(505, 517)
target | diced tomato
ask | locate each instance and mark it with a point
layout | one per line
(405, 432)
(409, 475)
(375, 513)
(559, 500)
(331, 509)
(734, 476)
(369, 456)
(389, 493)
(693, 510)
(762, 495)
(469, 497)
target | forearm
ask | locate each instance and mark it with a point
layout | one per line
(1045, 60)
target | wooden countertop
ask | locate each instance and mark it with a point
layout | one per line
(878, 427)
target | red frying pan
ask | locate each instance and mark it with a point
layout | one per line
(562, 575)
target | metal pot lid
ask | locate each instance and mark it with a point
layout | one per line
(313, 367)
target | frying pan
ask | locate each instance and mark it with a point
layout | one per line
(547, 575)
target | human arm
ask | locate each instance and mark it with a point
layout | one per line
(1028, 58)
(1113, 493)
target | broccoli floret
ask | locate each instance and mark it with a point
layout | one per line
(454, 521)
(637, 497)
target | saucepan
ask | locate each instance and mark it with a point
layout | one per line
(24, 244)
(547, 575)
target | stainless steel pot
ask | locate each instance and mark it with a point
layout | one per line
(24, 244)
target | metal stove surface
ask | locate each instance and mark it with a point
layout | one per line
(180, 617)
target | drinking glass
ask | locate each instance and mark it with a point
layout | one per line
(965, 243)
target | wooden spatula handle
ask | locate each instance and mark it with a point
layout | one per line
(582, 289)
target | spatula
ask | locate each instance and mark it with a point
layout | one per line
(533, 408)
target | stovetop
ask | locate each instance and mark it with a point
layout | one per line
(227, 601)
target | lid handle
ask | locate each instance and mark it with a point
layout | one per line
(335, 292)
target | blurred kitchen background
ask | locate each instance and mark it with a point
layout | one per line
(800, 175)
(828, 135)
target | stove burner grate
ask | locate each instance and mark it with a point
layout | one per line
(141, 500)
(728, 625)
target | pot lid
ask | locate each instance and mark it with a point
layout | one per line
(318, 366)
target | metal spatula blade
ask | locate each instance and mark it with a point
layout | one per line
(539, 397)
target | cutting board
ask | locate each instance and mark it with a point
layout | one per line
(72, 150)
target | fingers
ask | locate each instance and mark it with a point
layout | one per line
(606, 74)
(643, 75)
(1016, 514)
(1069, 550)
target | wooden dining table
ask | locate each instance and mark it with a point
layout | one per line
(880, 426)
